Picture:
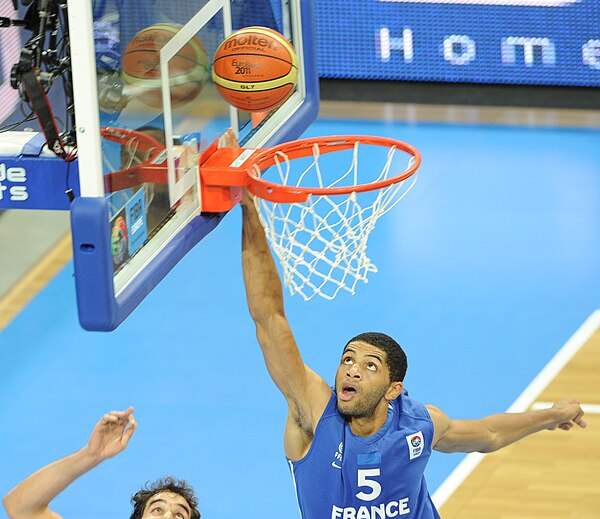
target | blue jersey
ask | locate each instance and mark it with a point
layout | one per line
(344, 476)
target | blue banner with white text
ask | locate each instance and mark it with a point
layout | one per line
(536, 42)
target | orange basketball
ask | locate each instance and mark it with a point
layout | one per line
(255, 69)
(188, 68)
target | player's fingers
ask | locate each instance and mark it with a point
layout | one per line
(227, 140)
(109, 418)
(118, 416)
(232, 138)
(127, 434)
(124, 413)
(580, 421)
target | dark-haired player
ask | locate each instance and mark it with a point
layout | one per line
(166, 498)
(359, 451)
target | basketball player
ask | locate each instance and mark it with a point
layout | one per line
(359, 451)
(165, 498)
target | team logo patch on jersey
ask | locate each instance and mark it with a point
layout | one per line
(337, 462)
(415, 444)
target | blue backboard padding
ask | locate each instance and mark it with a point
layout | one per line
(90, 228)
(99, 309)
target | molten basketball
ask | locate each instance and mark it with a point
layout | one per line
(255, 69)
(188, 68)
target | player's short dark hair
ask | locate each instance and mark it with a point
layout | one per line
(395, 356)
(166, 484)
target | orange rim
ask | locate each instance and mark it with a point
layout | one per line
(303, 148)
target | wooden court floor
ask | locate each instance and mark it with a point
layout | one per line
(548, 475)
(24, 289)
(551, 474)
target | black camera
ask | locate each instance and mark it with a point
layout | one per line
(44, 58)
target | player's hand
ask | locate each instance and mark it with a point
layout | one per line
(228, 140)
(111, 434)
(569, 414)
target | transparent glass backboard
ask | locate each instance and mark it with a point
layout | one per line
(150, 75)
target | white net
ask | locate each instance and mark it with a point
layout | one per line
(322, 242)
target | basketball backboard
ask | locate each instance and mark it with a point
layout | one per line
(129, 229)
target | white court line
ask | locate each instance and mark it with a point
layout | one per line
(522, 403)
(587, 408)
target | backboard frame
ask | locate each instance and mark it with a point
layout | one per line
(100, 309)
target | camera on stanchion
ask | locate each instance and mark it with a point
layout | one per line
(44, 58)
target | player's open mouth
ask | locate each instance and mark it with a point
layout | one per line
(347, 393)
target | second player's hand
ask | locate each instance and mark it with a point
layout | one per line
(111, 434)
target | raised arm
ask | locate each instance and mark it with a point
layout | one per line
(307, 394)
(30, 498)
(499, 430)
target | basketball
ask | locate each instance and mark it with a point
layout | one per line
(255, 69)
(188, 68)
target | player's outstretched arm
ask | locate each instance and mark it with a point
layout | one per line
(30, 498)
(307, 393)
(499, 430)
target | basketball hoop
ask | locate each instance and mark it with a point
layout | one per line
(318, 207)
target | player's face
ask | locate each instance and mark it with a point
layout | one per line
(167, 505)
(362, 380)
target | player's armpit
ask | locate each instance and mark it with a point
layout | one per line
(304, 415)
(441, 422)
(300, 427)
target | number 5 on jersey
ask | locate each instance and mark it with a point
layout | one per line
(364, 480)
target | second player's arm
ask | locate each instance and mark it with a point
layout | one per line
(307, 393)
(30, 499)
